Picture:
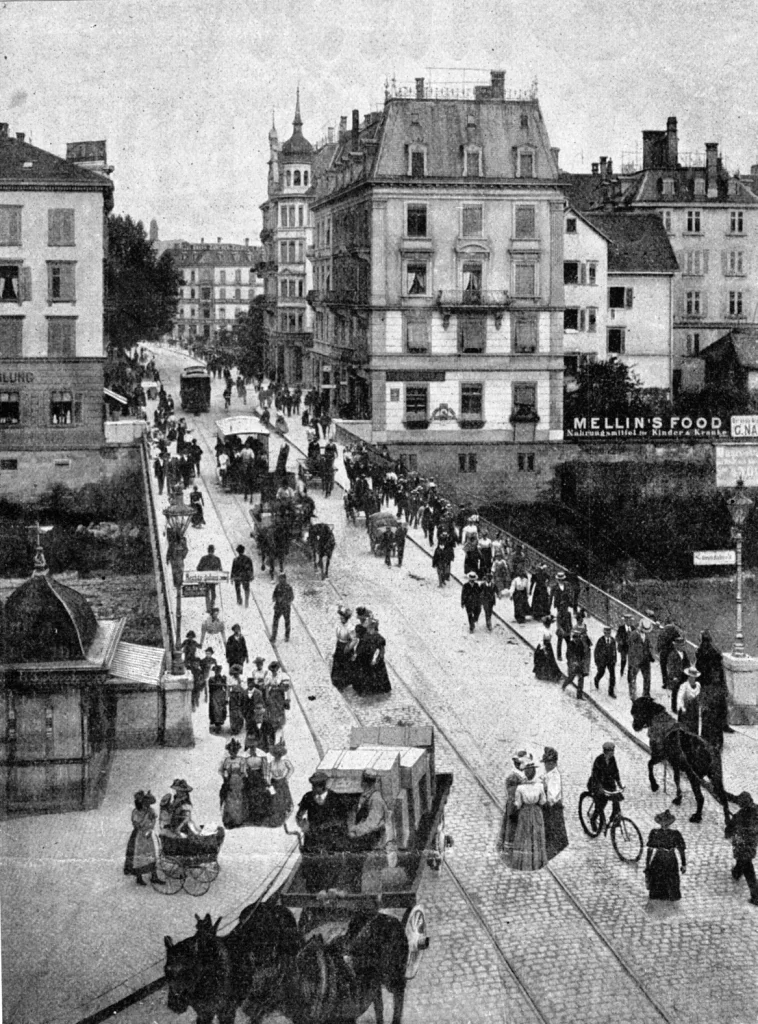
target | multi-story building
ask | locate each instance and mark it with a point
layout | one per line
(219, 281)
(438, 270)
(287, 238)
(52, 247)
(618, 274)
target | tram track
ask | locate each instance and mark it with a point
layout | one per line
(454, 754)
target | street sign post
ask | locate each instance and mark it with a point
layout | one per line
(725, 557)
(210, 576)
(193, 590)
(735, 462)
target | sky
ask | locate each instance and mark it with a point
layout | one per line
(184, 91)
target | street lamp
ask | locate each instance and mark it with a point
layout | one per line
(178, 516)
(739, 509)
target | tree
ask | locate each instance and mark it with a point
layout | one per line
(142, 290)
(605, 388)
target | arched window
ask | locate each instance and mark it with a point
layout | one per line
(288, 177)
(305, 177)
(296, 179)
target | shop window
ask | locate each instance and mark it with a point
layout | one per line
(65, 408)
(10, 407)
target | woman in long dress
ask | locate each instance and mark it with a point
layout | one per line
(556, 838)
(519, 595)
(539, 597)
(529, 850)
(342, 663)
(217, 699)
(233, 793)
(361, 660)
(237, 698)
(661, 866)
(545, 665)
(281, 770)
(140, 850)
(512, 781)
(379, 680)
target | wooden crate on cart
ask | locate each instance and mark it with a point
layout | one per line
(345, 769)
(402, 737)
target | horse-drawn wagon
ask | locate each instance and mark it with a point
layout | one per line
(188, 862)
(381, 529)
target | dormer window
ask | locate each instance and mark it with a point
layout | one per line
(524, 120)
(668, 186)
(525, 163)
(472, 162)
(699, 186)
(417, 161)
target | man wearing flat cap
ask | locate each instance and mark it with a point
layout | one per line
(605, 782)
(743, 831)
(321, 818)
(374, 829)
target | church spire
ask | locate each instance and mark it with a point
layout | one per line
(273, 138)
(297, 124)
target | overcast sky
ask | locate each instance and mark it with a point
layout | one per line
(183, 90)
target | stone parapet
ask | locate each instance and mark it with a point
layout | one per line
(177, 698)
(742, 684)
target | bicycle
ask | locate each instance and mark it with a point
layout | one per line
(625, 836)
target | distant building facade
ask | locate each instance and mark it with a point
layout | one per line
(438, 285)
(53, 241)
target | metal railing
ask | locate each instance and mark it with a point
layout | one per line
(474, 298)
(165, 608)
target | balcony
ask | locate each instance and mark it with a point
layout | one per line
(473, 300)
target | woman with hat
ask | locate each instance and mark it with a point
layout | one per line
(217, 699)
(529, 851)
(236, 700)
(276, 696)
(539, 598)
(341, 660)
(662, 866)
(556, 838)
(181, 823)
(378, 678)
(512, 781)
(281, 769)
(233, 795)
(519, 595)
(688, 701)
(140, 850)
(545, 665)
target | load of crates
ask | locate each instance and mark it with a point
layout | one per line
(403, 758)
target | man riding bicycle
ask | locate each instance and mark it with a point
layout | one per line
(605, 784)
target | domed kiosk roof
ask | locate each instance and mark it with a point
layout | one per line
(47, 621)
(297, 147)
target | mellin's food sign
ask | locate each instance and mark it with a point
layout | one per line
(645, 428)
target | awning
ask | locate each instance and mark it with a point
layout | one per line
(137, 663)
(116, 397)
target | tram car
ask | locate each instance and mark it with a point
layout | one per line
(195, 389)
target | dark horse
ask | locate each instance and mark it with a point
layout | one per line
(322, 545)
(336, 980)
(213, 975)
(684, 751)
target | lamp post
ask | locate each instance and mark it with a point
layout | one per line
(739, 509)
(178, 517)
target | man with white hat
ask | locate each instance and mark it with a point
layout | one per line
(471, 600)
(640, 658)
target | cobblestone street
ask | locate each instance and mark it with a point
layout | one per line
(578, 941)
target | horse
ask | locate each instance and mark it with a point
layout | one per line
(213, 975)
(684, 751)
(322, 544)
(336, 979)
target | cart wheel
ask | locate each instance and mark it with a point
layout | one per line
(198, 880)
(170, 876)
(418, 940)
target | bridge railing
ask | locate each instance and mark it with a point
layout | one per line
(165, 607)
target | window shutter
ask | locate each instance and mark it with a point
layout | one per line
(703, 304)
(724, 263)
(14, 227)
(582, 317)
(705, 261)
(583, 273)
(609, 298)
(53, 227)
(26, 284)
(629, 298)
(68, 282)
(77, 417)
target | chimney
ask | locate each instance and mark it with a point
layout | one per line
(247, 241)
(419, 88)
(595, 169)
(356, 129)
(330, 135)
(218, 240)
(610, 167)
(343, 127)
(711, 169)
(202, 241)
(556, 154)
(603, 166)
(20, 136)
(3, 130)
(89, 155)
(497, 78)
(672, 144)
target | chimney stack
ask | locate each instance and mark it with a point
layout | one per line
(419, 88)
(21, 136)
(330, 134)
(3, 129)
(595, 169)
(343, 127)
(218, 240)
(202, 241)
(609, 169)
(356, 129)
(247, 241)
(711, 169)
(603, 166)
(497, 79)
(672, 144)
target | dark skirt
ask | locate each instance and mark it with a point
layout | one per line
(556, 837)
(342, 666)
(217, 706)
(540, 601)
(520, 605)
(663, 876)
(236, 711)
(281, 804)
(258, 799)
(379, 679)
(545, 665)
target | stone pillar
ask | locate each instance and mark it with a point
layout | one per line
(742, 684)
(177, 724)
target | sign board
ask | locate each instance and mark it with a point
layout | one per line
(744, 426)
(644, 428)
(193, 590)
(735, 462)
(210, 576)
(726, 557)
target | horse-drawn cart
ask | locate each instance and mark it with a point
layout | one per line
(188, 862)
(419, 814)
(379, 525)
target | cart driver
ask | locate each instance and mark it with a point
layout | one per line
(321, 818)
(374, 828)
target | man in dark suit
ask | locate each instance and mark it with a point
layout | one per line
(640, 658)
(666, 638)
(560, 604)
(623, 634)
(471, 600)
(605, 659)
